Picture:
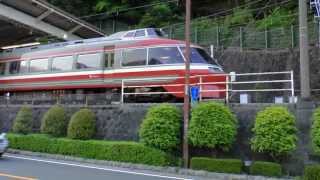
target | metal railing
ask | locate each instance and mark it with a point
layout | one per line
(233, 83)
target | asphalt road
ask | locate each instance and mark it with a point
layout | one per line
(19, 167)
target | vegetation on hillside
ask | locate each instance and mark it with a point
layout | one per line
(159, 13)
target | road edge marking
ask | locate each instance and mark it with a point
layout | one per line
(95, 167)
(16, 177)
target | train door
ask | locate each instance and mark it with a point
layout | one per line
(109, 57)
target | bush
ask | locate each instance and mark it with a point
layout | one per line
(274, 132)
(312, 172)
(130, 152)
(23, 122)
(315, 131)
(161, 127)
(216, 165)
(55, 122)
(212, 125)
(82, 125)
(266, 169)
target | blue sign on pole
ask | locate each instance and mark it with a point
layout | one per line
(194, 92)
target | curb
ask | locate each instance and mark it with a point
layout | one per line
(170, 170)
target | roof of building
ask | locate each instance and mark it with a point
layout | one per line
(23, 21)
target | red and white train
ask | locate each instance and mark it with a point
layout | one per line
(99, 65)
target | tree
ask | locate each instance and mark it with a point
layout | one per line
(315, 131)
(82, 125)
(161, 127)
(23, 122)
(212, 125)
(55, 122)
(274, 132)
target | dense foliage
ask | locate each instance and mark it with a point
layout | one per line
(312, 172)
(216, 165)
(23, 122)
(82, 125)
(274, 132)
(161, 13)
(315, 131)
(212, 125)
(266, 169)
(55, 122)
(161, 127)
(103, 150)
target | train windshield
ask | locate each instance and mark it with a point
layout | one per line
(164, 55)
(199, 55)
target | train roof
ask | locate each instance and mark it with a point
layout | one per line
(151, 36)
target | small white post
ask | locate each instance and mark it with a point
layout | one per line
(211, 51)
(200, 89)
(292, 85)
(122, 91)
(227, 89)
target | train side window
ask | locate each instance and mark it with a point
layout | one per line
(64, 63)
(109, 60)
(16, 67)
(140, 33)
(130, 34)
(89, 61)
(39, 65)
(164, 55)
(134, 57)
(2, 68)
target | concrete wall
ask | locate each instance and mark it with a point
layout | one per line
(248, 61)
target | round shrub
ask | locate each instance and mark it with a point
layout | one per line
(82, 125)
(23, 122)
(55, 122)
(161, 127)
(315, 131)
(274, 132)
(213, 126)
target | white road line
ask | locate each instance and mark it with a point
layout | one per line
(95, 167)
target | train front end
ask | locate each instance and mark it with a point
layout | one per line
(205, 74)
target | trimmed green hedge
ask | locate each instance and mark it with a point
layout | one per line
(82, 125)
(315, 131)
(23, 122)
(266, 169)
(161, 128)
(274, 132)
(217, 165)
(55, 122)
(312, 172)
(130, 152)
(212, 125)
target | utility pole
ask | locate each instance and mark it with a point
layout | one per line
(186, 105)
(304, 51)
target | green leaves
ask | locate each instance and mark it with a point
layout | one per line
(315, 131)
(161, 127)
(217, 165)
(130, 152)
(212, 125)
(55, 122)
(266, 169)
(23, 122)
(274, 132)
(82, 125)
